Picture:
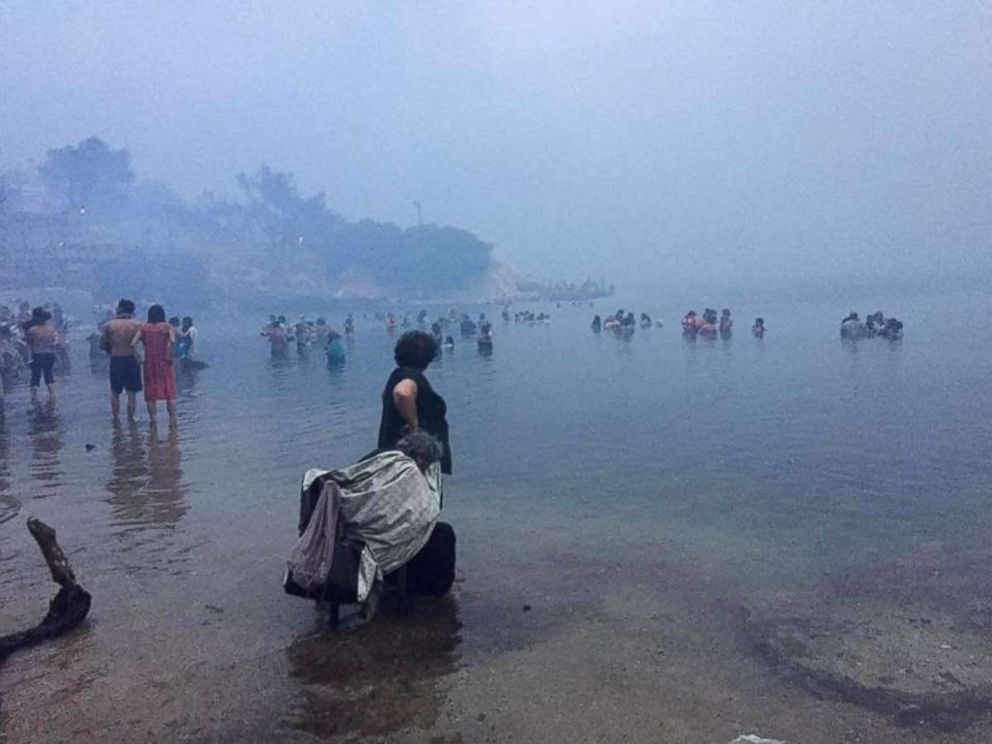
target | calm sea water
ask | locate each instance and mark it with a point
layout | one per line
(764, 462)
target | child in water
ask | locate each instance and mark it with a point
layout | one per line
(758, 329)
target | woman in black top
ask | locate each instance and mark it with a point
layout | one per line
(408, 401)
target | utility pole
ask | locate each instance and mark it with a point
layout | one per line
(420, 222)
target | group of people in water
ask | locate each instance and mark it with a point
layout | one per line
(876, 324)
(35, 340)
(709, 324)
(306, 335)
(185, 347)
(622, 321)
(153, 372)
(143, 355)
(527, 316)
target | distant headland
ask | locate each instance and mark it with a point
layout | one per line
(82, 220)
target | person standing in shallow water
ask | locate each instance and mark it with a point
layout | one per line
(409, 403)
(190, 333)
(158, 338)
(117, 339)
(42, 340)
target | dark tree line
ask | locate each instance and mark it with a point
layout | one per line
(88, 195)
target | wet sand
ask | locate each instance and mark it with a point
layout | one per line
(556, 646)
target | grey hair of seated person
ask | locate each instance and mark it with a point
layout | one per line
(422, 448)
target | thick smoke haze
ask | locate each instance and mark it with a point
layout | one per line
(641, 141)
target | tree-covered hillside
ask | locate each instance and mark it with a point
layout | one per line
(83, 217)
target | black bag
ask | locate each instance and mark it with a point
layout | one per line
(342, 580)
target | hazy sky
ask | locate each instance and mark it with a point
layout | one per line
(636, 140)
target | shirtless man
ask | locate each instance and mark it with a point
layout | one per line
(125, 371)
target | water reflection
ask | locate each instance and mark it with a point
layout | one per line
(99, 365)
(187, 379)
(128, 469)
(45, 433)
(382, 677)
(9, 505)
(146, 487)
(335, 370)
(165, 482)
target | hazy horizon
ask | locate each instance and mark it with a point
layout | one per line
(639, 142)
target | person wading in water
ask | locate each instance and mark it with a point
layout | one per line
(117, 340)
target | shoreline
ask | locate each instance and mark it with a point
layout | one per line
(651, 643)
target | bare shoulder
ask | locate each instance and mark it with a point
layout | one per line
(406, 386)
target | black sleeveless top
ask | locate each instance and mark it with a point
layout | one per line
(431, 412)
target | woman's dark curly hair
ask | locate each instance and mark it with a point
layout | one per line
(415, 349)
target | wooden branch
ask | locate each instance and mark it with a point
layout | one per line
(58, 564)
(68, 607)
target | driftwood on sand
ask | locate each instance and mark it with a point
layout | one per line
(68, 607)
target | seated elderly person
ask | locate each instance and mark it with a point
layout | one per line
(361, 524)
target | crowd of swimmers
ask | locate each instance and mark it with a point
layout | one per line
(711, 324)
(707, 325)
(527, 316)
(622, 321)
(876, 324)
(306, 335)
(319, 334)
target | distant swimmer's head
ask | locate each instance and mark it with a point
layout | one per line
(691, 314)
(174, 321)
(40, 315)
(726, 312)
(156, 314)
(125, 307)
(415, 349)
(422, 448)
(187, 323)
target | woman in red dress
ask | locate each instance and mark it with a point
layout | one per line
(158, 338)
